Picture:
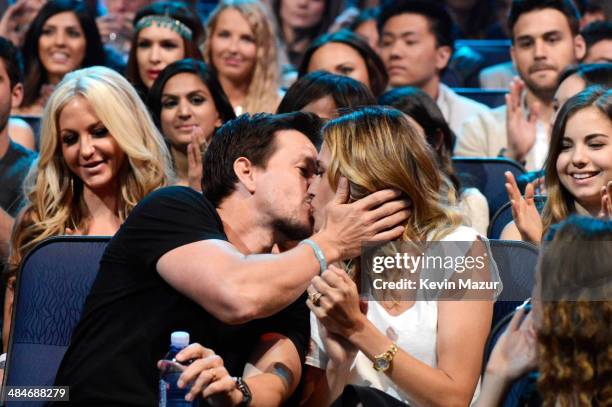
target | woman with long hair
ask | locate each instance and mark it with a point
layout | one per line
(423, 109)
(241, 46)
(188, 104)
(100, 155)
(577, 172)
(164, 32)
(406, 347)
(345, 53)
(62, 38)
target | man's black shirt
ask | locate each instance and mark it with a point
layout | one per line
(131, 311)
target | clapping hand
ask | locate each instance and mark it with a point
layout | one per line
(524, 211)
(515, 352)
(195, 151)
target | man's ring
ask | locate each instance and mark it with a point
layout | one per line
(315, 298)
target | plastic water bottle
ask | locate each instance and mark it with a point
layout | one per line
(170, 395)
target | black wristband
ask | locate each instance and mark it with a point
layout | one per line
(246, 392)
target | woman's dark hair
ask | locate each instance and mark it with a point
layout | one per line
(206, 75)
(423, 109)
(346, 92)
(331, 11)
(35, 73)
(177, 11)
(592, 74)
(375, 66)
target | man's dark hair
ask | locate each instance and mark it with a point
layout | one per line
(440, 22)
(346, 92)
(251, 137)
(567, 7)
(597, 31)
(12, 61)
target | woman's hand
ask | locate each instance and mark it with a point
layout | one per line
(207, 376)
(606, 201)
(335, 302)
(195, 151)
(515, 351)
(524, 211)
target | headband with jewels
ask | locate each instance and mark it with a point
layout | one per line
(165, 22)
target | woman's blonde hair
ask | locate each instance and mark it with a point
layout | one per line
(262, 95)
(560, 202)
(55, 194)
(377, 148)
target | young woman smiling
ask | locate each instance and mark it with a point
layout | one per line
(578, 170)
(100, 155)
(62, 38)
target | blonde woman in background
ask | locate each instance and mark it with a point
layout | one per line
(100, 155)
(241, 46)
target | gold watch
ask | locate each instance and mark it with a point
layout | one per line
(382, 362)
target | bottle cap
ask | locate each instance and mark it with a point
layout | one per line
(179, 339)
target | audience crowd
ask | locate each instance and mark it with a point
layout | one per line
(244, 157)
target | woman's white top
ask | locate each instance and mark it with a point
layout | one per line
(415, 331)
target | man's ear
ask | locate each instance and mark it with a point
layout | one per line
(443, 55)
(16, 95)
(245, 171)
(579, 47)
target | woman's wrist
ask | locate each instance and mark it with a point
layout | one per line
(363, 335)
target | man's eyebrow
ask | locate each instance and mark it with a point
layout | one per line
(402, 34)
(531, 36)
(524, 37)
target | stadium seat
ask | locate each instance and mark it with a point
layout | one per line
(490, 97)
(53, 283)
(487, 175)
(493, 51)
(503, 216)
(516, 262)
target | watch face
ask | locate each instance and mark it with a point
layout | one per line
(381, 364)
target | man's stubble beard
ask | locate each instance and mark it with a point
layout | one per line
(291, 230)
